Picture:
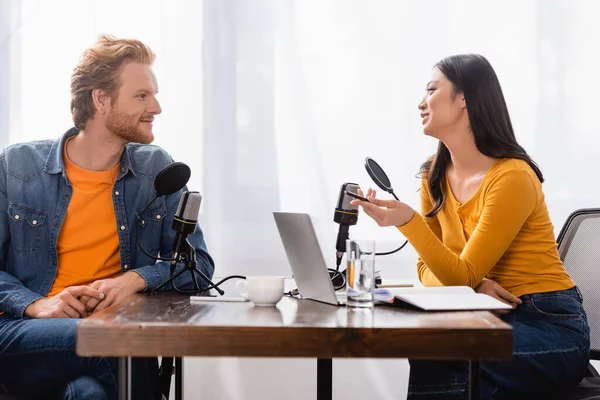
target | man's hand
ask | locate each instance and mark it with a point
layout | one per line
(385, 212)
(115, 290)
(66, 304)
(491, 288)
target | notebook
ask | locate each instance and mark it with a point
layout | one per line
(444, 298)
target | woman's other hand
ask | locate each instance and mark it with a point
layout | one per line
(492, 288)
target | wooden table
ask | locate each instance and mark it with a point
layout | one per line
(171, 325)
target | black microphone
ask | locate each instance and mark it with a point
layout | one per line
(185, 219)
(169, 180)
(184, 223)
(345, 214)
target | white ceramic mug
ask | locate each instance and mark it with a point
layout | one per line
(261, 290)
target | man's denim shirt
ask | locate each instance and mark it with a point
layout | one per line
(34, 197)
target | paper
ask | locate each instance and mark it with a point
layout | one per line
(443, 298)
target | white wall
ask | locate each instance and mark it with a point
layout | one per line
(275, 103)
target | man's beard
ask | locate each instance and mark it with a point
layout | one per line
(127, 127)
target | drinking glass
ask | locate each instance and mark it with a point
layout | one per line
(360, 281)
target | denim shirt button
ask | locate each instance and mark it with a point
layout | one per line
(158, 217)
(17, 217)
(125, 266)
(53, 262)
(66, 195)
(55, 224)
(122, 227)
(116, 192)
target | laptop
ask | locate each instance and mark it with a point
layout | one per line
(306, 258)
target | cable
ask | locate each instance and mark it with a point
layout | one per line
(387, 253)
(209, 287)
(393, 251)
(137, 233)
(194, 279)
(292, 293)
(333, 274)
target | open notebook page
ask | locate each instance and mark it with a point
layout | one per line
(444, 298)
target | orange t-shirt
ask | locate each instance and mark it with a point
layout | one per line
(88, 244)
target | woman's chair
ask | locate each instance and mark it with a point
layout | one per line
(579, 249)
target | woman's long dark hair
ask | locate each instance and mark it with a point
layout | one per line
(473, 76)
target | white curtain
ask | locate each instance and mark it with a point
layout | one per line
(275, 103)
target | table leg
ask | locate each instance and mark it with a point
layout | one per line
(178, 378)
(124, 378)
(324, 378)
(474, 380)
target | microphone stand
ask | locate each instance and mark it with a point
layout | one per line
(187, 257)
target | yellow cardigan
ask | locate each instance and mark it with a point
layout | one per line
(503, 233)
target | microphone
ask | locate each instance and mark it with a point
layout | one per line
(185, 219)
(184, 223)
(345, 214)
(169, 180)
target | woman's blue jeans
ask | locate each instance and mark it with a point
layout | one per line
(551, 341)
(38, 360)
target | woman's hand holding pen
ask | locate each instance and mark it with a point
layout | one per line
(385, 212)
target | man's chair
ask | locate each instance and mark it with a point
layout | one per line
(579, 249)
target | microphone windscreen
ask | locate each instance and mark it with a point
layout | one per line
(172, 178)
(189, 206)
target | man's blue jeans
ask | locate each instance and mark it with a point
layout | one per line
(38, 360)
(551, 340)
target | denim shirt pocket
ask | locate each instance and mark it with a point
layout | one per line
(26, 228)
(150, 227)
